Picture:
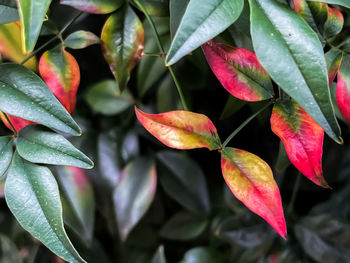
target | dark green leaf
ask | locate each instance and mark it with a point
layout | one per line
(203, 20)
(106, 98)
(156, 7)
(32, 14)
(185, 182)
(9, 3)
(159, 256)
(134, 194)
(8, 14)
(344, 3)
(24, 94)
(202, 255)
(232, 106)
(183, 226)
(282, 159)
(8, 251)
(292, 54)
(177, 10)
(38, 145)
(32, 195)
(81, 39)
(6, 152)
(167, 96)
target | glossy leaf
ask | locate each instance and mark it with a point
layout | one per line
(81, 39)
(239, 71)
(122, 43)
(94, 6)
(156, 7)
(11, 41)
(38, 145)
(24, 94)
(32, 14)
(291, 53)
(61, 73)
(180, 176)
(8, 14)
(134, 194)
(334, 58)
(18, 123)
(202, 21)
(343, 88)
(344, 3)
(251, 181)
(302, 138)
(183, 226)
(6, 152)
(334, 23)
(32, 195)
(159, 256)
(80, 196)
(181, 129)
(177, 9)
(106, 98)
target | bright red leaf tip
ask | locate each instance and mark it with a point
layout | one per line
(302, 138)
(181, 129)
(239, 71)
(61, 73)
(17, 122)
(343, 88)
(251, 181)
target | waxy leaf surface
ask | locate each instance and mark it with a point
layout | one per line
(61, 73)
(11, 44)
(344, 3)
(79, 195)
(8, 14)
(122, 43)
(202, 21)
(81, 39)
(239, 71)
(33, 197)
(18, 123)
(343, 88)
(32, 14)
(302, 138)
(181, 129)
(24, 94)
(6, 152)
(94, 6)
(334, 58)
(251, 181)
(134, 194)
(38, 145)
(156, 7)
(292, 54)
(334, 23)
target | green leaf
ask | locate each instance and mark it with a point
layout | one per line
(106, 98)
(122, 43)
(81, 39)
(156, 7)
(8, 251)
(94, 6)
(344, 3)
(177, 10)
(6, 152)
(79, 195)
(134, 194)
(159, 256)
(38, 145)
(183, 226)
(32, 14)
(24, 94)
(32, 195)
(8, 14)
(203, 20)
(292, 54)
(232, 106)
(184, 181)
(202, 255)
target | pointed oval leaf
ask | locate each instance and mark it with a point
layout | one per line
(6, 151)
(251, 181)
(302, 138)
(31, 193)
(334, 23)
(38, 145)
(18, 123)
(181, 129)
(61, 73)
(81, 39)
(24, 94)
(202, 21)
(292, 54)
(80, 196)
(32, 14)
(334, 58)
(344, 3)
(134, 194)
(159, 256)
(343, 88)
(239, 71)
(11, 45)
(94, 6)
(122, 43)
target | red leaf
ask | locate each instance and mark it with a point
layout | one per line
(17, 122)
(302, 138)
(343, 88)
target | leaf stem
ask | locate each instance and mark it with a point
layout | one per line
(161, 49)
(58, 35)
(8, 120)
(236, 131)
(294, 194)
